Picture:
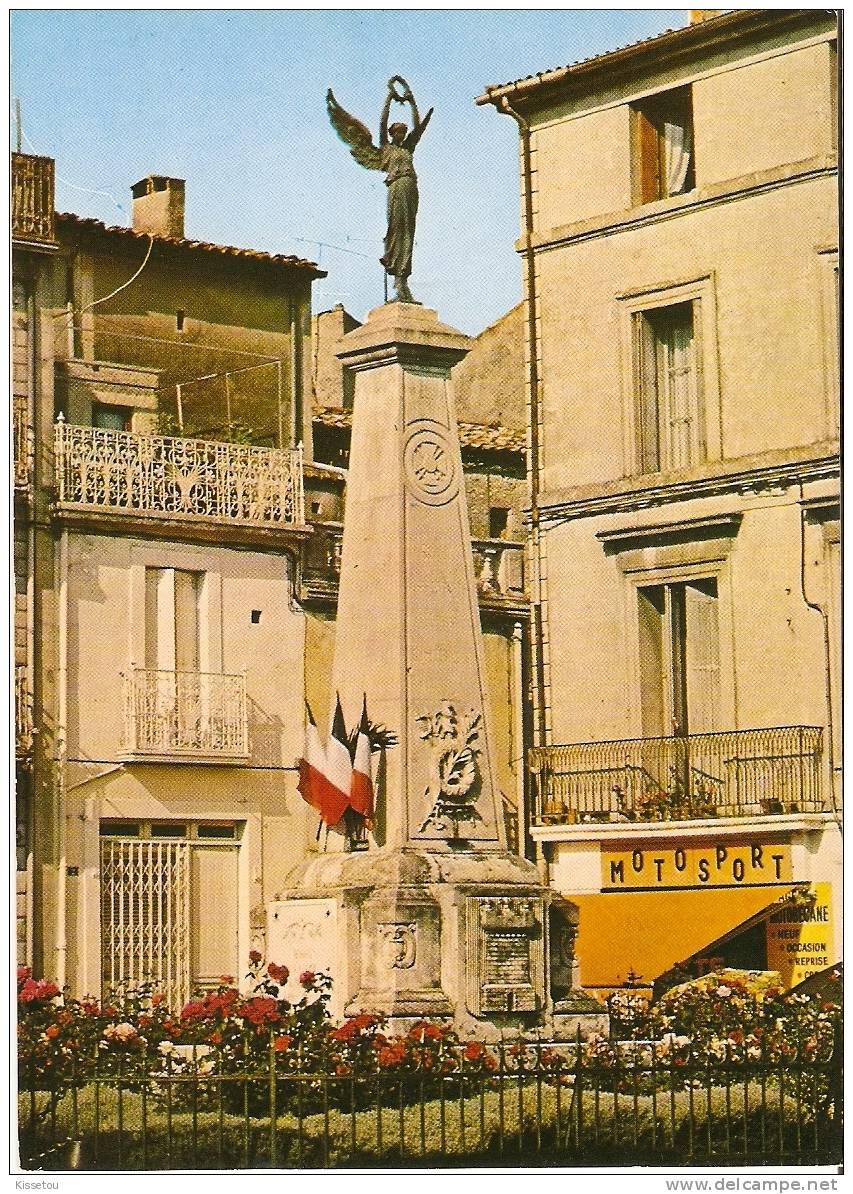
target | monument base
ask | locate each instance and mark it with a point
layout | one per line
(409, 934)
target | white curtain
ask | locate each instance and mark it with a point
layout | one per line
(677, 150)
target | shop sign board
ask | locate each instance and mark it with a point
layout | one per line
(800, 937)
(655, 865)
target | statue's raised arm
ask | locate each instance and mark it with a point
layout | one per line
(393, 156)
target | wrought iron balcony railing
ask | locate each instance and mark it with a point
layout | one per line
(195, 715)
(32, 199)
(739, 773)
(23, 714)
(118, 471)
(20, 441)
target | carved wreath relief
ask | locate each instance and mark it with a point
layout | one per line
(455, 779)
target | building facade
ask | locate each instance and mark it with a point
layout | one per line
(680, 239)
(176, 558)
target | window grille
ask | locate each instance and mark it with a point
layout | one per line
(145, 902)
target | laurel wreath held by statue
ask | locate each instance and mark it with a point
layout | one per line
(455, 774)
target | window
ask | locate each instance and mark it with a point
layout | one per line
(679, 658)
(173, 599)
(498, 522)
(169, 904)
(662, 151)
(111, 418)
(667, 381)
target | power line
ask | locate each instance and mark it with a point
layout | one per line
(240, 352)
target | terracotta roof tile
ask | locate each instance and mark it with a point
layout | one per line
(86, 223)
(688, 35)
(471, 435)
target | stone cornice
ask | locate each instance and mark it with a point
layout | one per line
(678, 205)
(742, 475)
(182, 528)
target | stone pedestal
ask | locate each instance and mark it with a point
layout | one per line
(436, 917)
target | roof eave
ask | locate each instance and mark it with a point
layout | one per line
(703, 35)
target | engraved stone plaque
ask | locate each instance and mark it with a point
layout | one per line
(505, 954)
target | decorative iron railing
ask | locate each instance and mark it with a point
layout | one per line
(23, 713)
(20, 441)
(739, 773)
(199, 715)
(524, 1103)
(117, 470)
(32, 198)
(499, 567)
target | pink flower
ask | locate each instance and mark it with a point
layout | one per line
(306, 979)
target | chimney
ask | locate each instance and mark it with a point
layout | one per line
(698, 15)
(158, 205)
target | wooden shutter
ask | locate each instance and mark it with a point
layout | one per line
(650, 610)
(647, 395)
(702, 656)
(213, 913)
(645, 158)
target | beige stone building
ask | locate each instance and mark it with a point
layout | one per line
(176, 556)
(680, 240)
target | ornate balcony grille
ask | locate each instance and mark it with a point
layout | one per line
(23, 714)
(21, 441)
(116, 470)
(32, 198)
(199, 715)
(740, 773)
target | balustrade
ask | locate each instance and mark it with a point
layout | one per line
(32, 198)
(738, 773)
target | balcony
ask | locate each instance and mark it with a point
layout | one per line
(20, 441)
(182, 479)
(191, 716)
(23, 714)
(32, 200)
(498, 569)
(737, 774)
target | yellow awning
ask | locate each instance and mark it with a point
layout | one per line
(647, 932)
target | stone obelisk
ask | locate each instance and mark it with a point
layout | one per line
(436, 916)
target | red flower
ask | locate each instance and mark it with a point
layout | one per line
(306, 979)
(157, 998)
(342, 1069)
(473, 1051)
(259, 1011)
(225, 980)
(52, 1031)
(215, 1038)
(24, 973)
(424, 1031)
(391, 1055)
(282, 1043)
(144, 1022)
(278, 974)
(33, 991)
(254, 957)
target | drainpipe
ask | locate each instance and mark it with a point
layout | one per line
(827, 660)
(538, 657)
(32, 456)
(61, 764)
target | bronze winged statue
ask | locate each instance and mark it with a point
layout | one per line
(394, 156)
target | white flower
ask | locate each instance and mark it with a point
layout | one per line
(120, 1032)
(724, 991)
(166, 1047)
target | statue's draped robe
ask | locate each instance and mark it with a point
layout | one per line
(402, 186)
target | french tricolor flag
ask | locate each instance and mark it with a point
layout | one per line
(322, 783)
(361, 789)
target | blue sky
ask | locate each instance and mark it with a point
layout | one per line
(233, 101)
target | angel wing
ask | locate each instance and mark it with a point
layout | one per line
(354, 133)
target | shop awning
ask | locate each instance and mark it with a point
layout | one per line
(647, 932)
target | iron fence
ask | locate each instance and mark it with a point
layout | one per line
(185, 714)
(737, 773)
(536, 1104)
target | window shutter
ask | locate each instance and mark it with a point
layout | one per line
(702, 656)
(646, 376)
(646, 158)
(650, 625)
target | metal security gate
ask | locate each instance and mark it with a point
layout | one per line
(145, 915)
